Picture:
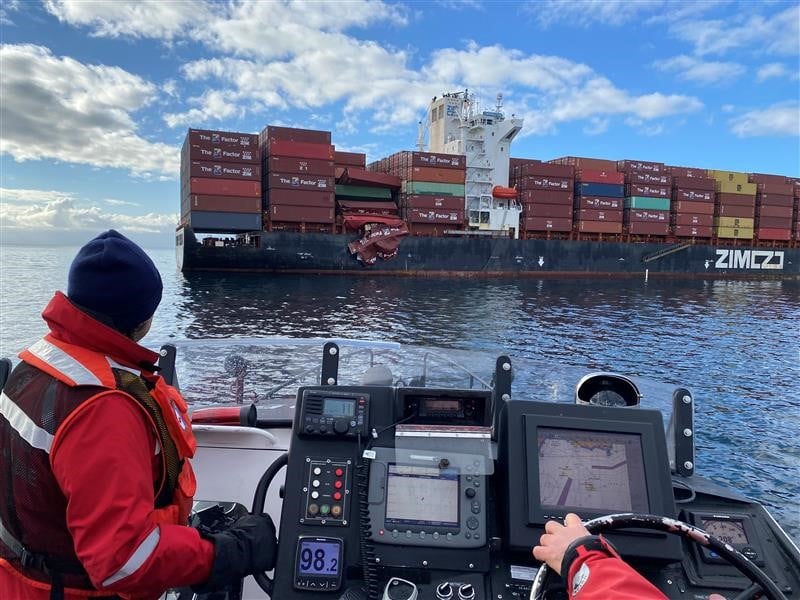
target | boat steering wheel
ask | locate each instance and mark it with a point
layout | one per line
(264, 581)
(762, 584)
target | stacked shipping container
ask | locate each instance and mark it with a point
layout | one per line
(432, 198)
(693, 195)
(648, 191)
(598, 195)
(545, 192)
(774, 219)
(735, 205)
(220, 181)
(298, 179)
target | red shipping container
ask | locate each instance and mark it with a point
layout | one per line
(551, 211)
(356, 176)
(768, 233)
(599, 203)
(356, 206)
(599, 227)
(693, 231)
(220, 153)
(774, 222)
(649, 178)
(766, 178)
(784, 212)
(591, 176)
(695, 208)
(538, 182)
(222, 170)
(301, 150)
(692, 172)
(546, 170)
(695, 183)
(435, 175)
(647, 228)
(301, 214)
(350, 159)
(693, 195)
(443, 161)
(736, 199)
(299, 182)
(435, 215)
(775, 200)
(231, 140)
(581, 162)
(647, 216)
(545, 224)
(223, 187)
(223, 204)
(546, 197)
(733, 210)
(694, 220)
(423, 201)
(291, 164)
(591, 214)
(785, 189)
(629, 166)
(271, 134)
(300, 198)
(649, 191)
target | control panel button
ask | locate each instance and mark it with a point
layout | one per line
(470, 492)
(444, 591)
(436, 535)
(323, 428)
(466, 591)
(315, 494)
(325, 509)
(339, 472)
(338, 484)
(472, 523)
(315, 483)
(313, 509)
(337, 496)
(341, 426)
(317, 471)
(336, 511)
(408, 534)
(395, 533)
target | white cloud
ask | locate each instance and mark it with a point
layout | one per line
(144, 18)
(51, 210)
(94, 105)
(115, 202)
(778, 33)
(9, 6)
(689, 68)
(773, 70)
(596, 126)
(782, 119)
(583, 13)
(170, 88)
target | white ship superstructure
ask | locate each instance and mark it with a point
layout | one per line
(458, 126)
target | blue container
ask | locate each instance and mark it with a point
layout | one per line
(605, 190)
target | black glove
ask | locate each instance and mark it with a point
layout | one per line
(248, 547)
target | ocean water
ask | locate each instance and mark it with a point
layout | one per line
(735, 344)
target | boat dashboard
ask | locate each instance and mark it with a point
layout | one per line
(418, 493)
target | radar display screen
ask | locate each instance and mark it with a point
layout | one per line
(591, 470)
(421, 496)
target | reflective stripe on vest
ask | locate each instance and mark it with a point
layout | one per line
(64, 363)
(137, 559)
(24, 425)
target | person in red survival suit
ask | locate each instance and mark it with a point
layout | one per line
(591, 566)
(95, 480)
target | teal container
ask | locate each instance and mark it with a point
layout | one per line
(645, 203)
(363, 192)
(439, 189)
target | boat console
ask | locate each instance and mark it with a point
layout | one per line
(407, 493)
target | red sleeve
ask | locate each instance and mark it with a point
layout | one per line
(598, 576)
(103, 460)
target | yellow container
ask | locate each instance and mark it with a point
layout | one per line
(733, 187)
(734, 222)
(729, 176)
(734, 233)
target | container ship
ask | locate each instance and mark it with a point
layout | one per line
(286, 200)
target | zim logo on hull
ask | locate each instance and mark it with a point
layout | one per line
(749, 259)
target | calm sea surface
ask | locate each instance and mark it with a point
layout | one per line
(736, 345)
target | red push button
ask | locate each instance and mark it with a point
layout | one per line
(337, 485)
(337, 496)
(339, 472)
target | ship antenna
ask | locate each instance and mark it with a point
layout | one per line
(421, 137)
(499, 103)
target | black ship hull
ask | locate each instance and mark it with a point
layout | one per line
(487, 256)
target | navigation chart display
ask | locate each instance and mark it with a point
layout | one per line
(421, 496)
(597, 470)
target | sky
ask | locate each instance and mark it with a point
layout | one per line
(96, 96)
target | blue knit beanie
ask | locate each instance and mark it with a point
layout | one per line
(113, 276)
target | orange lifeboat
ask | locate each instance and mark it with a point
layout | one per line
(504, 192)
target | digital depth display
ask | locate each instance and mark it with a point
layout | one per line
(730, 531)
(338, 407)
(320, 558)
(421, 496)
(591, 470)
